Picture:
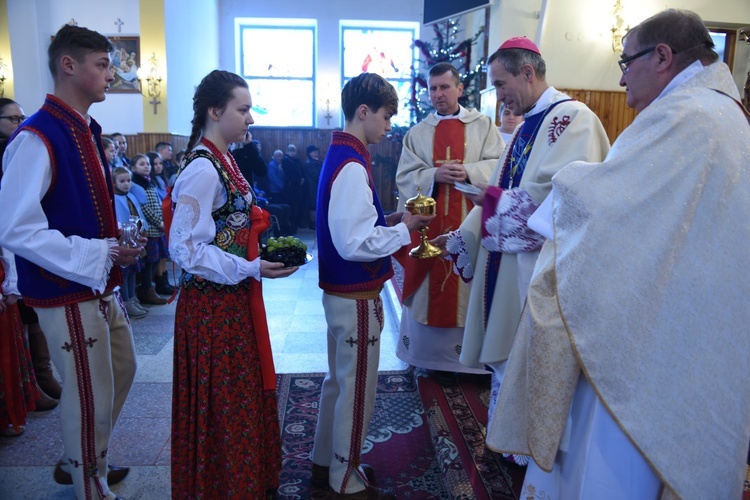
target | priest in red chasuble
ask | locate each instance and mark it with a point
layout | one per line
(452, 145)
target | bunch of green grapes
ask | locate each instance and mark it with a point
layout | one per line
(287, 249)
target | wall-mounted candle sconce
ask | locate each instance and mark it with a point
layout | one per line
(3, 70)
(151, 84)
(619, 29)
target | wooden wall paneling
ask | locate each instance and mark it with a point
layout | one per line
(609, 106)
(144, 142)
(617, 113)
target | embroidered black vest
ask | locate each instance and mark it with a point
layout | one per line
(232, 221)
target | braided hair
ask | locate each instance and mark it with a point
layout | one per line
(214, 91)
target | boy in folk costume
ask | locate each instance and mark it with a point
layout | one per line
(64, 236)
(355, 242)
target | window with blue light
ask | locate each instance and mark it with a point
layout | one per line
(277, 58)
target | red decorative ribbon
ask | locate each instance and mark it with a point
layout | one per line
(260, 220)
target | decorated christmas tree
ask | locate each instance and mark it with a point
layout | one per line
(445, 47)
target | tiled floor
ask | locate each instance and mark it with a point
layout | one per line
(141, 439)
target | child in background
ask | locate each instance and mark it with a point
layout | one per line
(159, 180)
(508, 123)
(178, 157)
(158, 175)
(110, 151)
(126, 205)
(156, 248)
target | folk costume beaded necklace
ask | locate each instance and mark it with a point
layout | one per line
(230, 167)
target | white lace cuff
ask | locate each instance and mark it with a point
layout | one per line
(10, 287)
(112, 244)
(458, 252)
(506, 230)
(10, 284)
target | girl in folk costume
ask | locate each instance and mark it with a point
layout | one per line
(19, 390)
(225, 430)
(158, 176)
(145, 192)
(17, 381)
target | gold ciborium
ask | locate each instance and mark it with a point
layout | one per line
(423, 205)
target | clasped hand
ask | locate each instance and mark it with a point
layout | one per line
(450, 173)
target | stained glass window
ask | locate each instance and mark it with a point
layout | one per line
(385, 48)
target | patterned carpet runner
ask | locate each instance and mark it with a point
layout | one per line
(398, 444)
(456, 410)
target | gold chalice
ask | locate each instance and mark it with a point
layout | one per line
(423, 205)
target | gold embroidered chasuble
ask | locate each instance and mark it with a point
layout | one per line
(644, 290)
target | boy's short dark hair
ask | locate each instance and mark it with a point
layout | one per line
(369, 89)
(160, 145)
(77, 43)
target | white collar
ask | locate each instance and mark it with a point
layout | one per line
(544, 102)
(681, 77)
(461, 114)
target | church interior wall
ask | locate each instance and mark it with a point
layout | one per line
(32, 23)
(199, 36)
(577, 40)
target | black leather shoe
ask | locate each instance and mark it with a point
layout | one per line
(114, 474)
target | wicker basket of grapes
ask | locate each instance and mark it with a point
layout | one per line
(286, 249)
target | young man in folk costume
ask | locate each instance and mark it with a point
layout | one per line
(59, 220)
(452, 145)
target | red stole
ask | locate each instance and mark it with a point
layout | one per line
(259, 222)
(451, 205)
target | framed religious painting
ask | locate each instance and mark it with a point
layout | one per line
(126, 59)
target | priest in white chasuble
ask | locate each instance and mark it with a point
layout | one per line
(628, 377)
(493, 249)
(452, 145)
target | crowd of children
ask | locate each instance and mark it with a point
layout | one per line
(141, 184)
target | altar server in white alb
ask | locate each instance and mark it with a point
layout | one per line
(493, 249)
(452, 145)
(628, 376)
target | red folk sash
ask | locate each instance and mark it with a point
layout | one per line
(451, 205)
(260, 221)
